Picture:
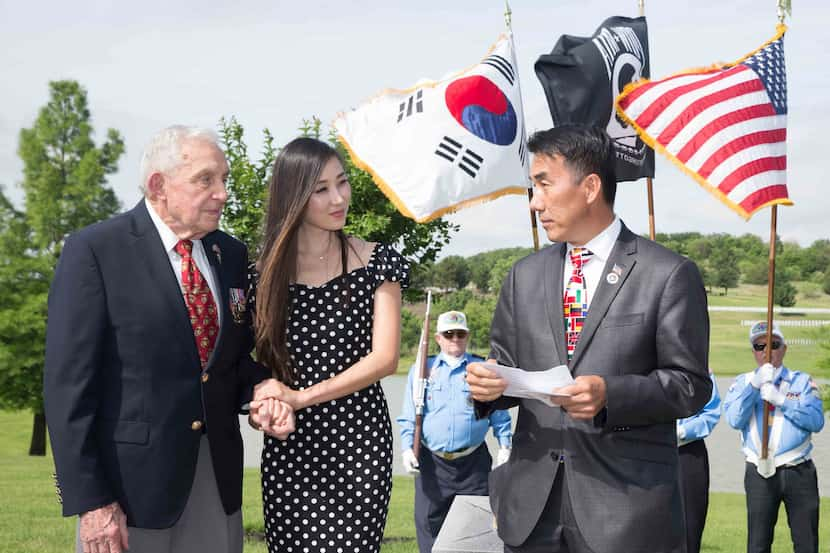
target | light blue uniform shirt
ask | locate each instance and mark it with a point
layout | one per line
(792, 424)
(450, 423)
(700, 425)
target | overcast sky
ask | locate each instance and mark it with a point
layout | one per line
(271, 63)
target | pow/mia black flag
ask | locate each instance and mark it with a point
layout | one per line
(583, 75)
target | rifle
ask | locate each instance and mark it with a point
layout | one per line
(419, 387)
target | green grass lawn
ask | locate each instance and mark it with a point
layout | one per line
(30, 520)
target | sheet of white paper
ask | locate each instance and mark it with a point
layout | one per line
(533, 384)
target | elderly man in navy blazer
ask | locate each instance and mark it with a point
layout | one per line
(148, 366)
(598, 472)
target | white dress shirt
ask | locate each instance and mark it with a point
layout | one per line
(169, 239)
(601, 246)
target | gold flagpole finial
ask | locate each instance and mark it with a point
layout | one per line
(508, 16)
(785, 8)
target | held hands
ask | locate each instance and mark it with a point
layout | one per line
(762, 375)
(273, 417)
(270, 414)
(771, 394)
(485, 385)
(587, 397)
(104, 530)
(410, 463)
(272, 387)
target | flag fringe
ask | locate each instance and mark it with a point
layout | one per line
(652, 142)
(398, 203)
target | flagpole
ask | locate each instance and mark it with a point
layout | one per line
(641, 4)
(770, 299)
(783, 9)
(534, 226)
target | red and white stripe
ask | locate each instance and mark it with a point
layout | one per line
(721, 125)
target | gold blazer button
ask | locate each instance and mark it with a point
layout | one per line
(205, 377)
(197, 425)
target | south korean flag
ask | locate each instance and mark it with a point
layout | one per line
(443, 145)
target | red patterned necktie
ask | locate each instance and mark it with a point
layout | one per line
(575, 301)
(200, 304)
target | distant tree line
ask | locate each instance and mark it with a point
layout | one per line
(724, 260)
(471, 284)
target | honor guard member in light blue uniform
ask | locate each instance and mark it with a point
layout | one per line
(787, 474)
(694, 466)
(454, 459)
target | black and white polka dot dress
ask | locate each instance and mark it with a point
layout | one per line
(326, 488)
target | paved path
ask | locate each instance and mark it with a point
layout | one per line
(725, 459)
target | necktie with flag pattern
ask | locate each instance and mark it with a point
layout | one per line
(575, 301)
(200, 304)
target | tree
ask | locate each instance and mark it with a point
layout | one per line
(479, 313)
(725, 268)
(451, 272)
(479, 273)
(756, 271)
(247, 183)
(784, 292)
(65, 188)
(825, 285)
(499, 272)
(817, 257)
(371, 215)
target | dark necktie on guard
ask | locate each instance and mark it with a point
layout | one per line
(200, 304)
(575, 300)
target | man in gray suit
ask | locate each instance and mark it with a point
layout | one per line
(597, 473)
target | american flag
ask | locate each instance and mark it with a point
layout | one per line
(726, 125)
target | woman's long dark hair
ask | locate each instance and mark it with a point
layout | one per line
(294, 178)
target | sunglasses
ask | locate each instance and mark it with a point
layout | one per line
(761, 347)
(450, 334)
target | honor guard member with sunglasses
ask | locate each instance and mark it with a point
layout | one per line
(787, 474)
(453, 458)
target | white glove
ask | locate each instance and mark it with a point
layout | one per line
(771, 394)
(762, 375)
(502, 456)
(410, 463)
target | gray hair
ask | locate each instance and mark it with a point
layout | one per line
(163, 152)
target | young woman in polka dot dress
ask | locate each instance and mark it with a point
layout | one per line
(328, 324)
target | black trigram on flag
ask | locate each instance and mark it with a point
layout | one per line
(504, 67)
(413, 101)
(523, 148)
(469, 162)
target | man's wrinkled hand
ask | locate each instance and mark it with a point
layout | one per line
(587, 397)
(485, 385)
(104, 530)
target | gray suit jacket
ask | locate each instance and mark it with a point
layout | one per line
(647, 335)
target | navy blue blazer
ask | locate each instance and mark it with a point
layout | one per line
(125, 398)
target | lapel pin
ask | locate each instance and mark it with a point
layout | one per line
(218, 253)
(614, 276)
